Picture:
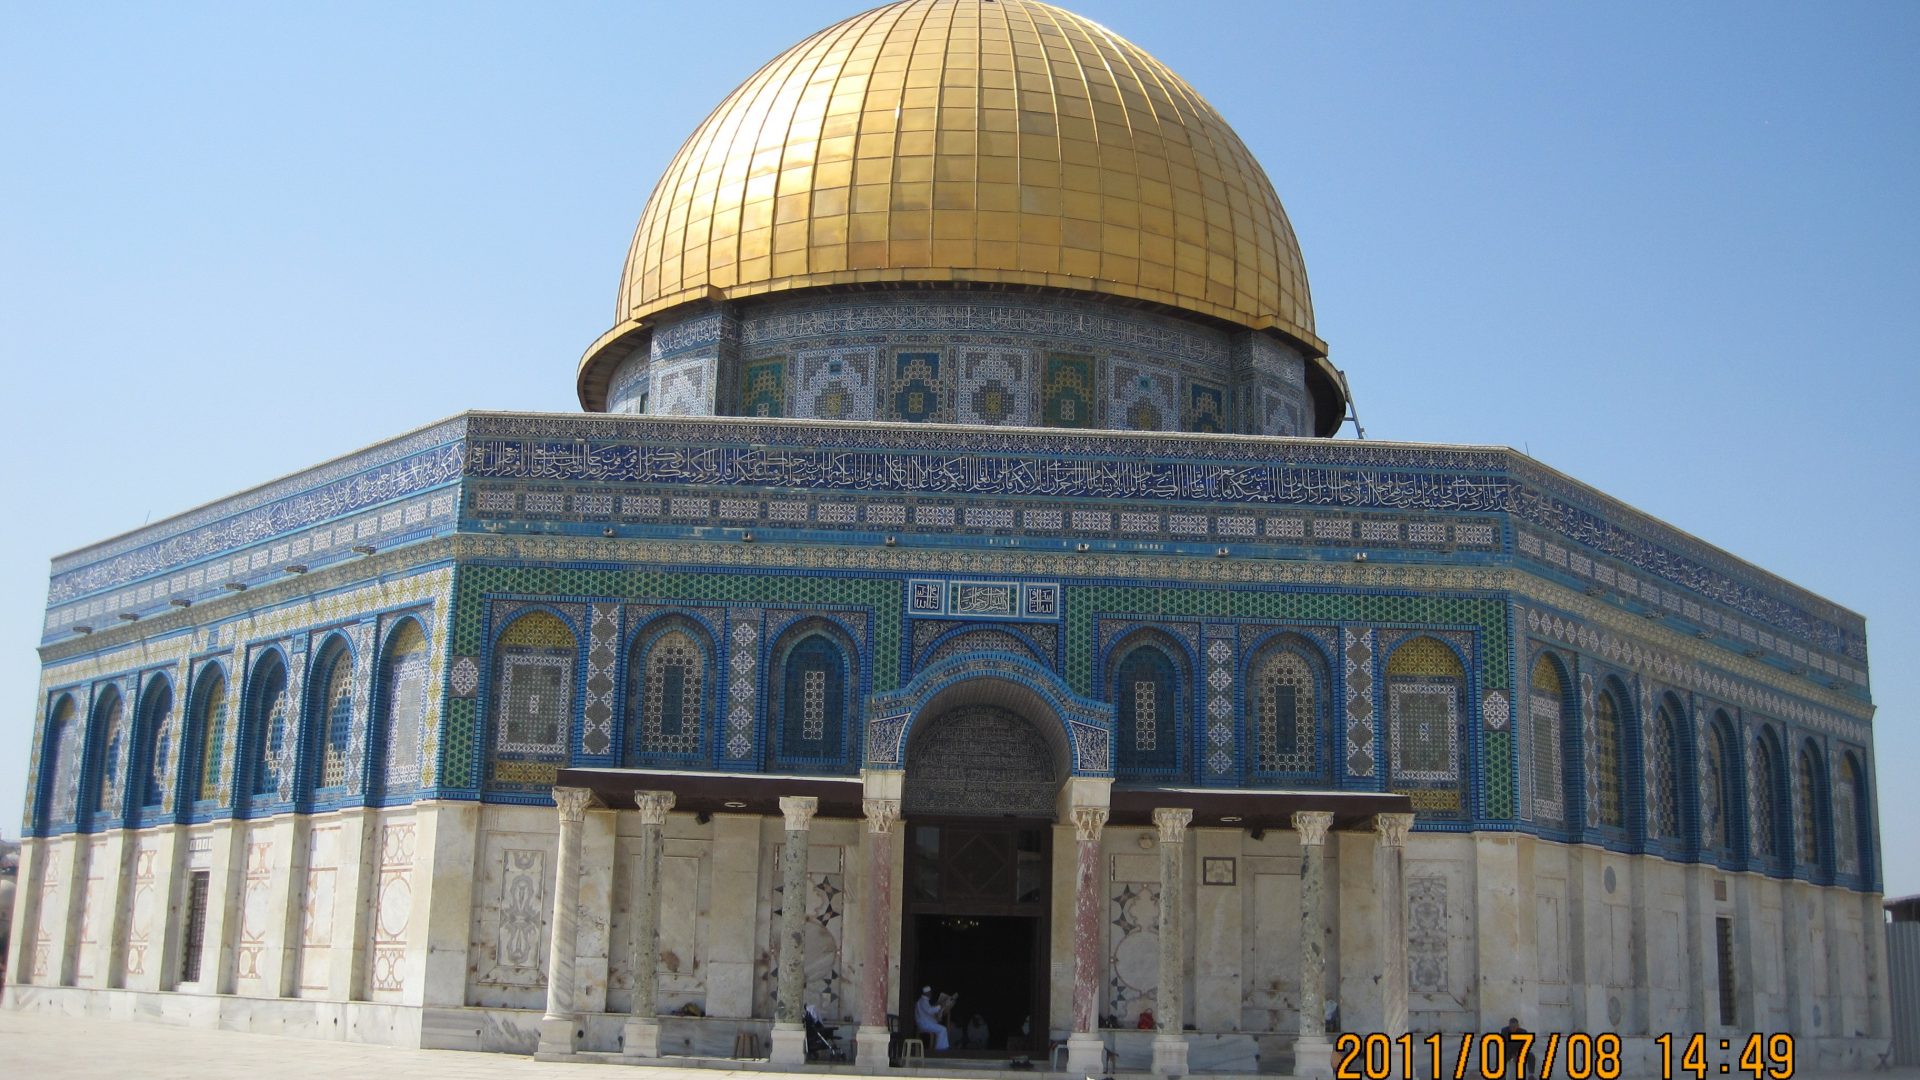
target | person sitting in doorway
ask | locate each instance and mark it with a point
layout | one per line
(977, 1033)
(927, 1020)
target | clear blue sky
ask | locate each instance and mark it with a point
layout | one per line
(1668, 248)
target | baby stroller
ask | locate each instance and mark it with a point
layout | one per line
(822, 1042)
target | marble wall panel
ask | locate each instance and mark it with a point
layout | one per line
(828, 958)
(511, 911)
(315, 940)
(142, 931)
(256, 883)
(392, 910)
(1272, 1001)
(1132, 935)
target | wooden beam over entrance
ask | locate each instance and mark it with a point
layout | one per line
(1254, 808)
(718, 792)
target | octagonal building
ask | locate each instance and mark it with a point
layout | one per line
(952, 582)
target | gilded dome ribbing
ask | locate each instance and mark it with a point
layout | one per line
(1002, 141)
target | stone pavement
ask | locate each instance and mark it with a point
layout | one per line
(37, 1046)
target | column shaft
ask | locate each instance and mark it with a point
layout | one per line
(789, 1038)
(1085, 1048)
(872, 1038)
(1392, 829)
(1312, 1055)
(641, 1038)
(1170, 1041)
(557, 1027)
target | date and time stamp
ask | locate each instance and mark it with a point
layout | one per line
(1527, 1056)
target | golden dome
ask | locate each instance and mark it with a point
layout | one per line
(1001, 141)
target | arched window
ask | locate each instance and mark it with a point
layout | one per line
(1663, 773)
(330, 716)
(532, 701)
(1546, 718)
(402, 702)
(1765, 785)
(1719, 805)
(1852, 846)
(1426, 698)
(1146, 692)
(1605, 758)
(62, 764)
(110, 733)
(813, 665)
(266, 724)
(1809, 841)
(156, 742)
(1285, 711)
(210, 701)
(667, 693)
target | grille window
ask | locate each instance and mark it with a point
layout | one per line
(196, 934)
(1723, 945)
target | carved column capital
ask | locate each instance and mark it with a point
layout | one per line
(1172, 821)
(653, 806)
(1393, 828)
(799, 811)
(880, 814)
(1088, 821)
(1312, 825)
(572, 802)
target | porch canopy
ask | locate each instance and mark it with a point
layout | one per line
(718, 792)
(1252, 808)
(1132, 804)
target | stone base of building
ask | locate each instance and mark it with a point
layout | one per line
(708, 1042)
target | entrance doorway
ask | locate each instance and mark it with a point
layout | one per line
(982, 780)
(976, 927)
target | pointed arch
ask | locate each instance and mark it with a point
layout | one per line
(209, 733)
(815, 664)
(1766, 799)
(1666, 812)
(266, 725)
(1149, 684)
(1852, 820)
(670, 679)
(107, 747)
(1288, 684)
(1549, 712)
(532, 701)
(60, 765)
(327, 751)
(1607, 756)
(1426, 704)
(155, 742)
(400, 711)
(1722, 798)
(1811, 850)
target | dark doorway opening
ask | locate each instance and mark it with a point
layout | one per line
(976, 926)
(988, 962)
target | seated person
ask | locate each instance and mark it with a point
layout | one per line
(926, 1020)
(977, 1032)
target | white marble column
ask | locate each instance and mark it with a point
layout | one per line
(789, 1035)
(870, 1042)
(1312, 1053)
(1085, 1048)
(1391, 830)
(642, 1036)
(559, 1028)
(1170, 1040)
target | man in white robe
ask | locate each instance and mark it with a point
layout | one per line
(926, 1019)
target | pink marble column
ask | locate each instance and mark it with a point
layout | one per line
(1085, 1048)
(870, 1043)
